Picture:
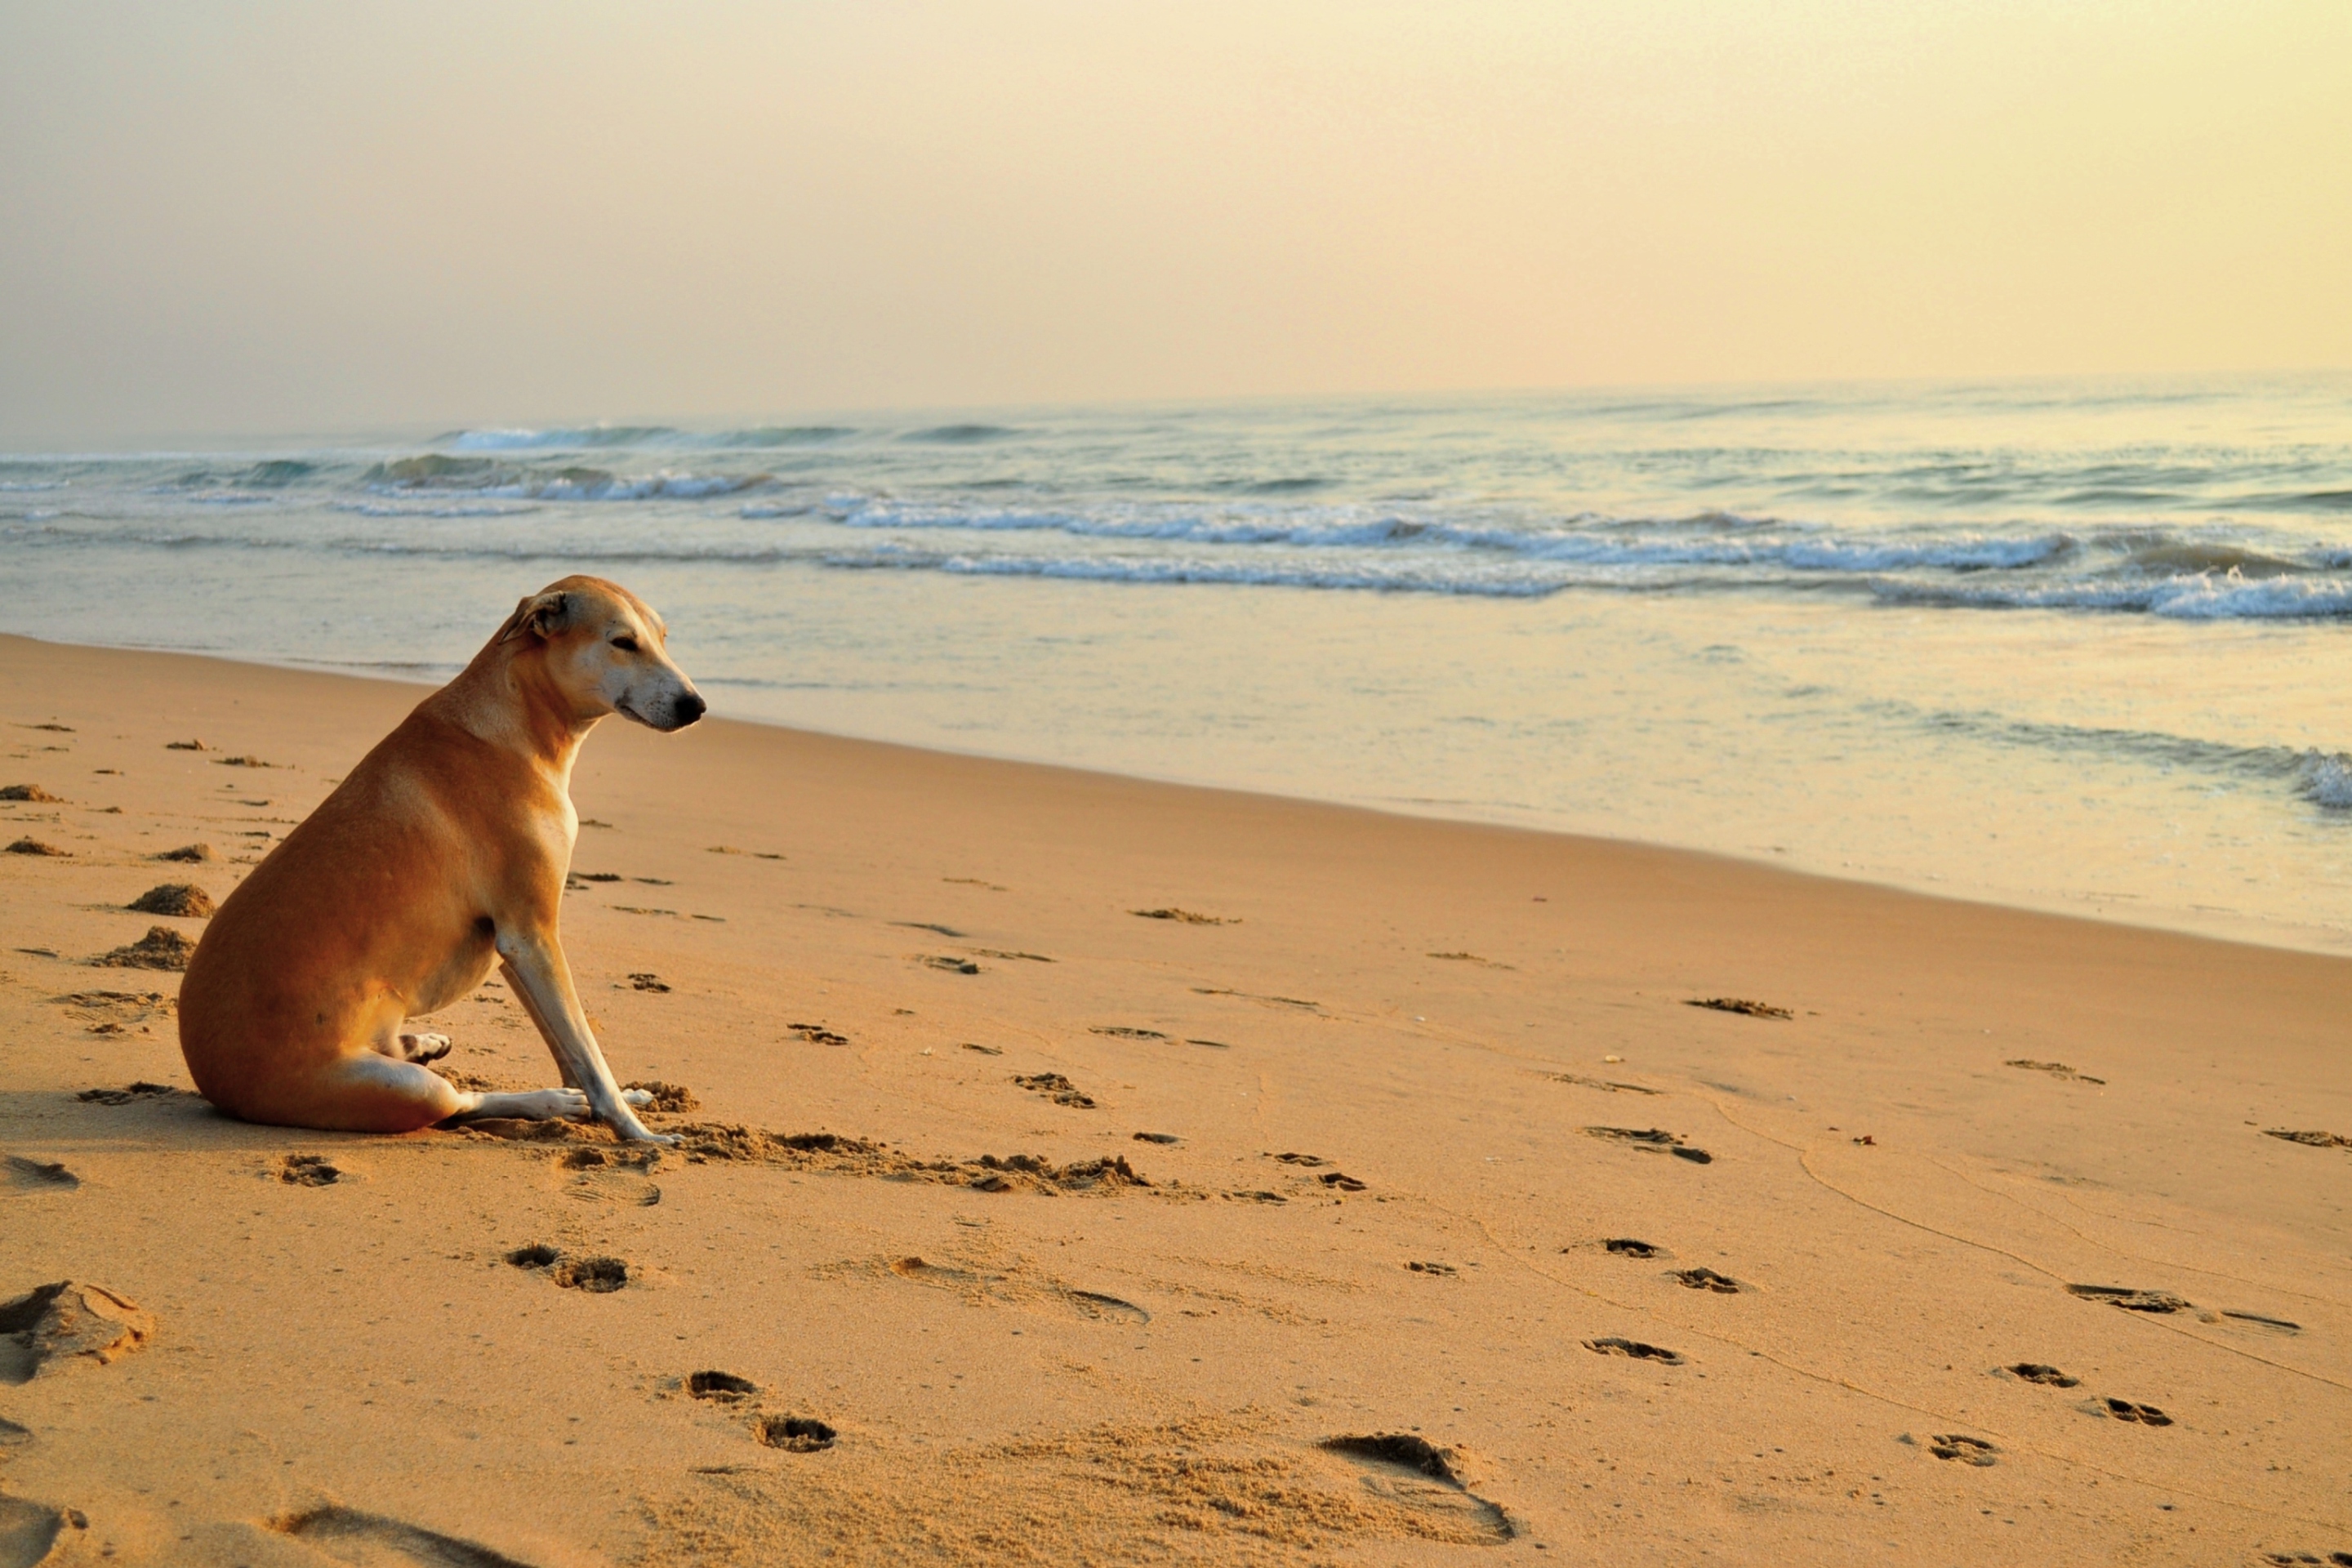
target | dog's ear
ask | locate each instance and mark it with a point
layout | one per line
(541, 615)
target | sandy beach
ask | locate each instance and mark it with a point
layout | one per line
(1076, 1170)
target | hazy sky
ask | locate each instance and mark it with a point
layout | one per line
(257, 216)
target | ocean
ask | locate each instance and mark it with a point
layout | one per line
(2070, 645)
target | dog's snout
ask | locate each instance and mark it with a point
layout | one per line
(689, 707)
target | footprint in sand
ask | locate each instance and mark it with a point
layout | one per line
(1339, 1181)
(118, 1011)
(1607, 1086)
(28, 1531)
(1105, 1308)
(1055, 1088)
(1626, 1247)
(609, 1175)
(307, 1171)
(1707, 1279)
(370, 1540)
(1742, 1006)
(1408, 1470)
(794, 1433)
(2038, 1372)
(140, 1090)
(2056, 1069)
(1613, 1345)
(1652, 1140)
(2127, 1410)
(596, 1276)
(2130, 1299)
(19, 1174)
(1438, 1269)
(977, 1285)
(69, 1323)
(723, 1387)
(1157, 1138)
(1957, 1446)
(2310, 1139)
(950, 964)
(2293, 1558)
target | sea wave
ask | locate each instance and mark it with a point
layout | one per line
(1379, 578)
(597, 437)
(275, 473)
(487, 476)
(592, 435)
(2201, 596)
(959, 434)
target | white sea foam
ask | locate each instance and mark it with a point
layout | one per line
(453, 509)
(2325, 778)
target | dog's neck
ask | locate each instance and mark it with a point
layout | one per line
(511, 699)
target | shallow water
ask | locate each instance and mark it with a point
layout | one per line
(2072, 645)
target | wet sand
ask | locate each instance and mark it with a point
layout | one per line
(1398, 1209)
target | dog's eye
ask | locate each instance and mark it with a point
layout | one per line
(627, 645)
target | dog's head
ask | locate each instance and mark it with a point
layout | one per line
(604, 648)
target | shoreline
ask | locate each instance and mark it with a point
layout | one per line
(2318, 940)
(1078, 1168)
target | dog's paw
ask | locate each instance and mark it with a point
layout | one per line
(552, 1105)
(638, 1095)
(422, 1048)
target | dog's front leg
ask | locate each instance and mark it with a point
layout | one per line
(535, 968)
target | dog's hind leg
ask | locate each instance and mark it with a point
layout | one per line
(376, 1093)
(364, 1093)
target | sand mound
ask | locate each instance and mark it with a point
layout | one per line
(184, 900)
(161, 948)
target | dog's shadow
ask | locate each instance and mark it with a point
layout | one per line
(41, 1127)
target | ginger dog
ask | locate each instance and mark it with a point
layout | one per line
(444, 850)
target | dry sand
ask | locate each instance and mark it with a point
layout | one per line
(1377, 1201)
